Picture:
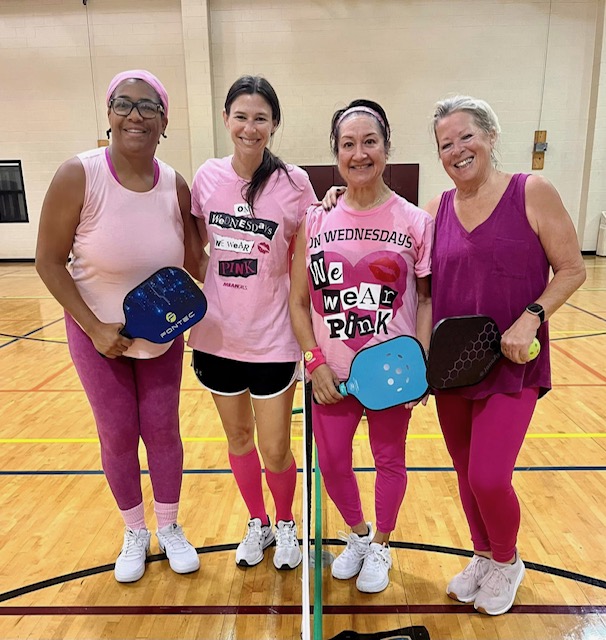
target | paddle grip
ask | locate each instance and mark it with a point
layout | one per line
(342, 389)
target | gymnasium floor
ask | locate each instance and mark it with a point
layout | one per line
(61, 530)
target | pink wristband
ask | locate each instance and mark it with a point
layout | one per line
(313, 358)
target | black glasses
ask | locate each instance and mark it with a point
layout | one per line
(146, 108)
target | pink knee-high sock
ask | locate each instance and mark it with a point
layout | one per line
(247, 472)
(166, 513)
(134, 518)
(282, 486)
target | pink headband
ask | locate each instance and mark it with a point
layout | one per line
(139, 74)
(362, 109)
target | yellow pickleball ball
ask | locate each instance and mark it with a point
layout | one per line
(534, 349)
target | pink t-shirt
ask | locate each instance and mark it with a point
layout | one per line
(362, 268)
(247, 283)
(122, 238)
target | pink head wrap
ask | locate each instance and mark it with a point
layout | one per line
(139, 74)
(360, 109)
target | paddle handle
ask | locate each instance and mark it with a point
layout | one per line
(343, 389)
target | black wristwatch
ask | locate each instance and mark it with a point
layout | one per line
(537, 310)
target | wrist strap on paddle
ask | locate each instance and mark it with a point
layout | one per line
(313, 358)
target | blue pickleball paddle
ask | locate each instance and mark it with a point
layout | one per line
(388, 374)
(163, 306)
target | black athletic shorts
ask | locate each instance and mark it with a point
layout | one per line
(227, 377)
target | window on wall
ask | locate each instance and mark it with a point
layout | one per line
(13, 207)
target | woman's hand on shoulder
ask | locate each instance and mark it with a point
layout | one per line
(329, 201)
(108, 340)
(432, 206)
(324, 384)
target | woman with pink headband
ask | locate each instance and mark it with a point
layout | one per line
(360, 277)
(117, 214)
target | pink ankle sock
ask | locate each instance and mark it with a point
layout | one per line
(282, 486)
(247, 472)
(134, 518)
(166, 513)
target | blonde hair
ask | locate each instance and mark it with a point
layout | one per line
(481, 112)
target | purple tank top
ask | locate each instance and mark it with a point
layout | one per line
(495, 270)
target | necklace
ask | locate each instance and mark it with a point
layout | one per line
(383, 196)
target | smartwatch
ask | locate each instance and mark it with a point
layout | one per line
(537, 310)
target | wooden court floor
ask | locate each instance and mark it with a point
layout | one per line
(61, 532)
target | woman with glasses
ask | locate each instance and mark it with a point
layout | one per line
(120, 214)
(248, 207)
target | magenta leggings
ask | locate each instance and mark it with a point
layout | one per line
(484, 438)
(133, 399)
(334, 427)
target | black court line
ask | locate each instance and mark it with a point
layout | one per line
(10, 335)
(589, 313)
(413, 546)
(278, 609)
(29, 333)
(588, 335)
(145, 472)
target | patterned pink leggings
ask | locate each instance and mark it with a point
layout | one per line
(133, 399)
(484, 438)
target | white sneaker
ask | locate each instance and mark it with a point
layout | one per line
(288, 553)
(465, 585)
(499, 587)
(348, 564)
(182, 556)
(130, 564)
(374, 576)
(258, 537)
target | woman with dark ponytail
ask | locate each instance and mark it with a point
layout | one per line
(248, 207)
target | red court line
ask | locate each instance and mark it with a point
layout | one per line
(51, 378)
(256, 610)
(577, 361)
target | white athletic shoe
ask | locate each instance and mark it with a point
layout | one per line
(257, 539)
(348, 563)
(374, 575)
(465, 585)
(288, 553)
(499, 587)
(182, 556)
(130, 564)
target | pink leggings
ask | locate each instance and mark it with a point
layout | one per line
(133, 399)
(484, 438)
(334, 427)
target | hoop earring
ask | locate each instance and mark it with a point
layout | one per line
(108, 132)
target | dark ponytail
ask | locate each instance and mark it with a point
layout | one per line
(270, 162)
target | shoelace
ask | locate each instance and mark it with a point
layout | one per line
(134, 544)
(354, 545)
(286, 536)
(473, 570)
(175, 538)
(254, 535)
(494, 580)
(379, 556)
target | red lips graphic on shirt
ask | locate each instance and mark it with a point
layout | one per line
(385, 269)
(263, 247)
(381, 268)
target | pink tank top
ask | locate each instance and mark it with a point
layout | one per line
(494, 270)
(122, 238)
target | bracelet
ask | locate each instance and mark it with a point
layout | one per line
(313, 358)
